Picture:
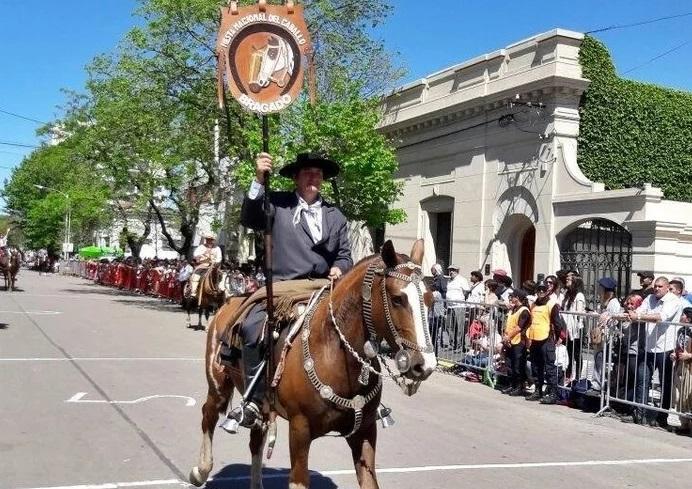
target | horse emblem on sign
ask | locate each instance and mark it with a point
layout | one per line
(272, 63)
(261, 52)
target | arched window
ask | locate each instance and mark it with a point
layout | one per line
(598, 248)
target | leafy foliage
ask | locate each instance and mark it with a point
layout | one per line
(41, 212)
(632, 132)
(146, 123)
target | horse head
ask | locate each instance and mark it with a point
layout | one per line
(400, 309)
(16, 258)
(277, 57)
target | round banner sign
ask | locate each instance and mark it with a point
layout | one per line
(261, 52)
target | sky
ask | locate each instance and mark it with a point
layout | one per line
(45, 46)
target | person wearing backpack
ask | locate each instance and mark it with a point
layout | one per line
(546, 329)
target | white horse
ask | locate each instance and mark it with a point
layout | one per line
(276, 66)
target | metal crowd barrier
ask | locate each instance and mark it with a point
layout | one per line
(643, 376)
(609, 358)
(157, 282)
(468, 335)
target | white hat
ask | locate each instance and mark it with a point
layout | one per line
(209, 235)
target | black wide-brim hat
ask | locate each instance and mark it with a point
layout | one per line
(329, 168)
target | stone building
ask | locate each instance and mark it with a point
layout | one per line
(488, 155)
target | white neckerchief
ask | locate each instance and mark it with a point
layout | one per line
(313, 217)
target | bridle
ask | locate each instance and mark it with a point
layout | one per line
(401, 346)
(371, 347)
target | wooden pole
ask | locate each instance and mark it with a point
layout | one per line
(268, 273)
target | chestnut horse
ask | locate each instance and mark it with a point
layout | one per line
(10, 261)
(331, 380)
(209, 297)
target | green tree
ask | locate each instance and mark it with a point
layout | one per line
(41, 212)
(147, 120)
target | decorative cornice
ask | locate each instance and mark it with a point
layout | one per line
(534, 68)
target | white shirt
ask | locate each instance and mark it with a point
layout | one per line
(484, 342)
(614, 306)
(477, 293)
(312, 212)
(214, 253)
(185, 273)
(661, 337)
(457, 289)
(561, 357)
(575, 323)
(505, 295)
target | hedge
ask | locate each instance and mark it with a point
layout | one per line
(633, 132)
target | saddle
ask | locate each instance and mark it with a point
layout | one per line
(289, 295)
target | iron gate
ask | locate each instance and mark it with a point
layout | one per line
(598, 248)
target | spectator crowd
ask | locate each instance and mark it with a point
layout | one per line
(552, 346)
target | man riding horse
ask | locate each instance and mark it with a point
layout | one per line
(205, 256)
(9, 261)
(310, 241)
(3, 242)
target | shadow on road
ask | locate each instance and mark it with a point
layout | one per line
(3, 288)
(3, 325)
(101, 290)
(152, 305)
(271, 478)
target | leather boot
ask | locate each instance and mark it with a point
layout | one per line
(252, 359)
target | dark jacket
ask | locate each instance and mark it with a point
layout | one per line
(296, 255)
(439, 284)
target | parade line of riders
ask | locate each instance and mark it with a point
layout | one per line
(311, 242)
(543, 328)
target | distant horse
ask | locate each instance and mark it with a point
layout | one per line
(210, 295)
(276, 65)
(331, 378)
(10, 261)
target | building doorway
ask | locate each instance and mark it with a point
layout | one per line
(441, 231)
(438, 217)
(515, 248)
(527, 255)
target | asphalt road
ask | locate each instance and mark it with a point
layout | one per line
(103, 390)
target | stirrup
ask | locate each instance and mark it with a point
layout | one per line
(384, 415)
(247, 415)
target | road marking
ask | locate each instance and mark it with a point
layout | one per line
(103, 359)
(393, 470)
(116, 485)
(35, 313)
(79, 397)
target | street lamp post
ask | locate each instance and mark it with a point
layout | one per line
(68, 217)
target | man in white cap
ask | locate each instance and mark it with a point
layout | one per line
(457, 289)
(3, 242)
(3, 239)
(204, 256)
